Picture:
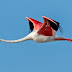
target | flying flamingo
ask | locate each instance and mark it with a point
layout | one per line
(41, 32)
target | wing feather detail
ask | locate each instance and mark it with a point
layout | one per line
(36, 24)
(48, 28)
(45, 29)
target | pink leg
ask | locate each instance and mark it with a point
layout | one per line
(61, 38)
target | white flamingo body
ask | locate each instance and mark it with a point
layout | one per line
(41, 39)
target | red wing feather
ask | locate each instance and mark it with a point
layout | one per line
(46, 29)
(37, 24)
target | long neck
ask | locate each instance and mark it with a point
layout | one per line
(16, 41)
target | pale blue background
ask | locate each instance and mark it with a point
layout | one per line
(29, 56)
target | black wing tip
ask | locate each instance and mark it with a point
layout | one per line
(56, 22)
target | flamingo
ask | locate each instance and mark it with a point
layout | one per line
(41, 32)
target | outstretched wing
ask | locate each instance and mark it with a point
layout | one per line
(49, 27)
(34, 24)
